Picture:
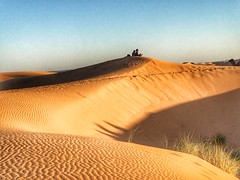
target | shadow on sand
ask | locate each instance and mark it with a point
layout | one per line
(205, 117)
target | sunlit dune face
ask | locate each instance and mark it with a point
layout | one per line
(139, 100)
(74, 157)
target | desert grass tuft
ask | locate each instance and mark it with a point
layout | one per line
(219, 139)
(211, 151)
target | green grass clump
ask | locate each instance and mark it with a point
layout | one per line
(211, 151)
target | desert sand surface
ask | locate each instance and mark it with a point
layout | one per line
(69, 124)
(41, 156)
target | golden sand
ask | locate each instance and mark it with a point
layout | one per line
(104, 103)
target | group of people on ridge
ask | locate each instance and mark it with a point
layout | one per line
(135, 53)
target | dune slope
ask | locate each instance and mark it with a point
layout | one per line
(29, 80)
(110, 105)
(109, 101)
(5, 76)
(44, 156)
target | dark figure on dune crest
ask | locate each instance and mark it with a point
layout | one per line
(135, 53)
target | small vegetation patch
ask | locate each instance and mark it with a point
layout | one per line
(211, 150)
(219, 139)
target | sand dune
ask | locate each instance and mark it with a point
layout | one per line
(113, 66)
(109, 100)
(34, 156)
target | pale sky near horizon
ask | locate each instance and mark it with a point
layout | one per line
(68, 34)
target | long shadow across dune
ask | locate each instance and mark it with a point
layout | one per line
(72, 75)
(205, 117)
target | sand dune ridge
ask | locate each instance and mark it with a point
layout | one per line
(107, 101)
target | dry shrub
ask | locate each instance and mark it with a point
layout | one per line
(210, 151)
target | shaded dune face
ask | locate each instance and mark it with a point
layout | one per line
(109, 101)
(16, 75)
(205, 117)
(44, 156)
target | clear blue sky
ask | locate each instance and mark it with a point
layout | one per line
(66, 34)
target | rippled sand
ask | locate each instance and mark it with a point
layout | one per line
(67, 124)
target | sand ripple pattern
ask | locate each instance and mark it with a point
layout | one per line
(46, 156)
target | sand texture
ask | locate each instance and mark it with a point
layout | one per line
(44, 156)
(65, 125)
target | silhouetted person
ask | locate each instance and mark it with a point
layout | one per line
(137, 54)
(134, 52)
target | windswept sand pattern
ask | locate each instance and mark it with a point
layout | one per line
(48, 156)
(67, 108)
(108, 101)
